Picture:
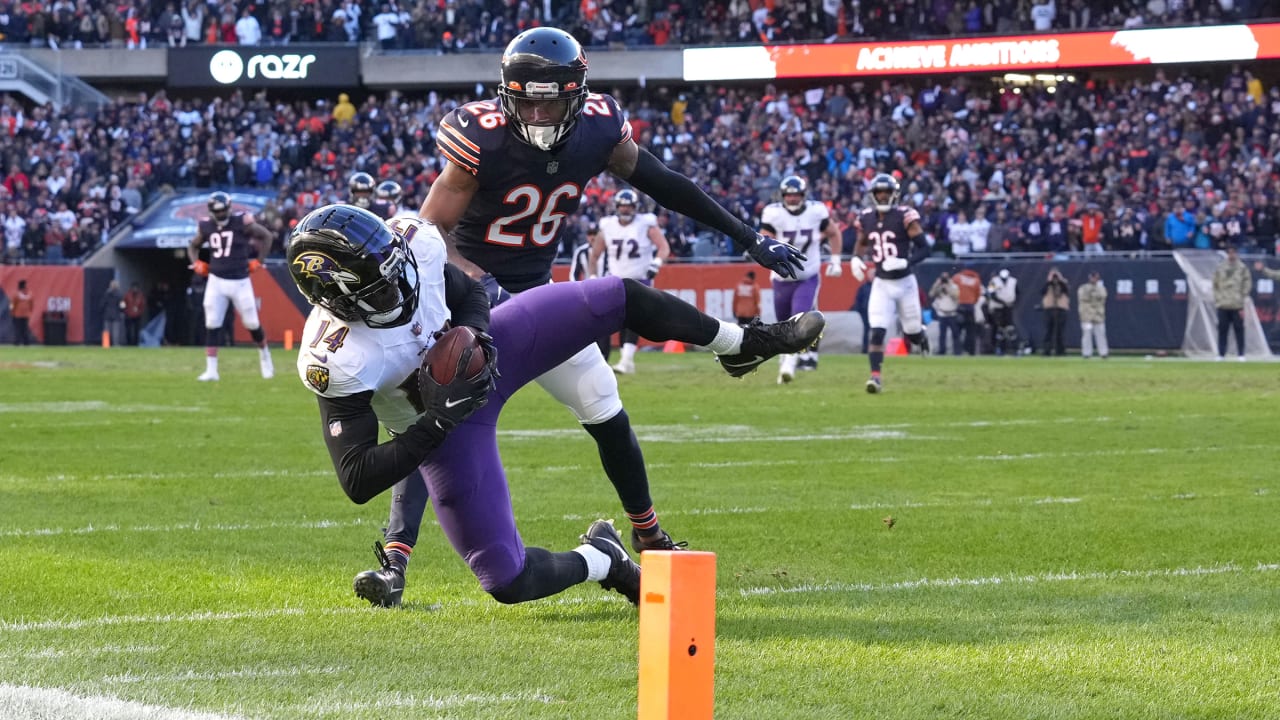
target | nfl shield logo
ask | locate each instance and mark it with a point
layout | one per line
(553, 167)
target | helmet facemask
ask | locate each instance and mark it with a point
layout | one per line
(884, 193)
(624, 206)
(794, 192)
(541, 114)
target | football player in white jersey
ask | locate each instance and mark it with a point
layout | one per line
(805, 225)
(380, 293)
(896, 241)
(635, 248)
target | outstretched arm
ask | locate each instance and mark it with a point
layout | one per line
(676, 192)
(447, 200)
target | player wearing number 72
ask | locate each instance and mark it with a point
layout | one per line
(892, 233)
(803, 224)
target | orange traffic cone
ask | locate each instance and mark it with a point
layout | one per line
(896, 346)
(673, 346)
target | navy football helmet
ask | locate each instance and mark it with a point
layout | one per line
(626, 203)
(345, 260)
(543, 86)
(793, 189)
(219, 207)
(389, 191)
(361, 187)
(884, 192)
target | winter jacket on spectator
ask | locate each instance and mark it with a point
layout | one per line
(1231, 284)
(1092, 299)
(1180, 228)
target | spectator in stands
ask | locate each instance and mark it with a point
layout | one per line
(248, 29)
(1180, 228)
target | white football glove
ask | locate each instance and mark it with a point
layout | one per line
(858, 268)
(835, 269)
(894, 264)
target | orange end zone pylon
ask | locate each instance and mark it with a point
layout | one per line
(677, 635)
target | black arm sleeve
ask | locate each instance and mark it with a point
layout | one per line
(466, 298)
(674, 191)
(364, 467)
(919, 250)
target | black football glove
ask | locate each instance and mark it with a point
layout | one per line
(497, 293)
(448, 405)
(654, 267)
(776, 256)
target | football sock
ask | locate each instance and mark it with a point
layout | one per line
(728, 339)
(398, 554)
(597, 563)
(623, 461)
(211, 361)
(645, 523)
(546, 573)
(212, 339)
(259, 337)
(877, 359)
(628, 353)
(659, 316)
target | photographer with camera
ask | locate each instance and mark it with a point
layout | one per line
(944, 298)
(1002, 295)
(1055, 300)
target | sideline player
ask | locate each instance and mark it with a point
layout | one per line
(636, 249)
(893, 234)
(235, 243)
(380, 291)
(516, 166)
(805, 225)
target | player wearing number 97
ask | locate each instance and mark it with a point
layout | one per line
(379, 292)
(635, 248)
(235, 243)
(892, 234)
(803, 224)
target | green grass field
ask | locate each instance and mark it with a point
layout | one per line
(1071, 540)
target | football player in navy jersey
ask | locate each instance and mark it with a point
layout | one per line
(236, 244)
(380, 292)
(896, 241)
(365, 193)
(516, 167)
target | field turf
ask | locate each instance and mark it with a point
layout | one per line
(1069, 539)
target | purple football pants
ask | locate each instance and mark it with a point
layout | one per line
(534, 331)
(793, 296)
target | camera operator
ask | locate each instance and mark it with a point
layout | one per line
(1055, 301)
(944, 298)
(1002, 295)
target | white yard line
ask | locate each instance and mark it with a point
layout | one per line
(426, 702)
(94, 406)
(208, 616)
(1009, 580)
(19, 702)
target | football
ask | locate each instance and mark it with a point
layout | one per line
(444, 357)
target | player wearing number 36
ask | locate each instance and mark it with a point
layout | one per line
(803, 224)
(516, 166)
(236, 244)
(892, 234)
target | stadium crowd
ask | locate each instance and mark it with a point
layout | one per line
(1165, 162)
(455, 25)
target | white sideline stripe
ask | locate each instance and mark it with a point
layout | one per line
(1001, 457)
(96, 406)
(432, 702)
(206, 616)
(52, 653)
(189, 527)
(193, 676)
(21, 702)
(220, 475)
(959, 582)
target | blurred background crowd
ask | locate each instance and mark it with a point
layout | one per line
(1171, 161)
(458, 25)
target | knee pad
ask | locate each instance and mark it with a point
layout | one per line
(257, 334)
(212, 336)
(877, 336)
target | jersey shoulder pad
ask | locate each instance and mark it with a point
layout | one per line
(423, 238)
(817, 209)
(337, 373)
(467, 131)
(909, 214)
(648, 220)
(604, 112)
(770, 213)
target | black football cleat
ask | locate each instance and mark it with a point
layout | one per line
(761, 342)
(661, 541)
(624, 574)
(382, 587)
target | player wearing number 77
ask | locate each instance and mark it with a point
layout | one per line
(516, 165)
(896, 241)
(235, 243)
(802, 224)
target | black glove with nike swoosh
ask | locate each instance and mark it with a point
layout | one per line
(777, 256)
(497, 293)
(448, 405)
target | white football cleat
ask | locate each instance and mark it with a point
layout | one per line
(624, 368)
(264, 363)
(208, 376)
